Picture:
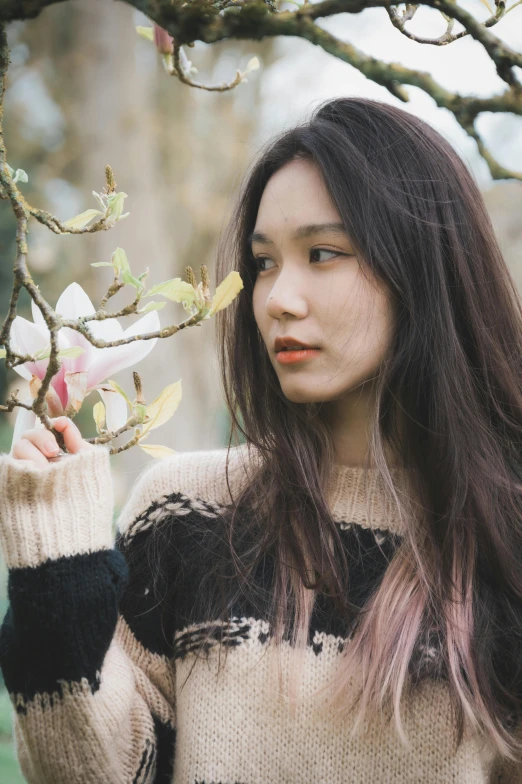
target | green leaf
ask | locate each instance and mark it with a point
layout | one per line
(128, 277)
(65, 353)
(161, 409)
(155, 450)
(115, 206)
(2, 353)
(100, 201)
(119, 260)
(81, 220)
(120, 264)
(140, 411)
(44, 353)
(176, 290)
(117, 388)
(145, 32)
(98, 413)
(152, 306)
(71, 353)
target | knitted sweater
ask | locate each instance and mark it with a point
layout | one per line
(98, 679)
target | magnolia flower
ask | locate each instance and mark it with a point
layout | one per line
(84, 370)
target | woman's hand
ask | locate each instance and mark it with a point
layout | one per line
(39, 444)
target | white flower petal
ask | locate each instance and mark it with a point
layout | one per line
(28, 338)
(115, 408)
(108, 329)
(37, 314)
(24, 372)
(74, 302)
(25, 420)
(148, 323)
(111, 360)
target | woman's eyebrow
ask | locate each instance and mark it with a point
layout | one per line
(300, 232)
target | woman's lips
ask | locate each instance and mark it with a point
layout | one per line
(287, 357)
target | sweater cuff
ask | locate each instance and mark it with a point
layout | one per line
(63, 509)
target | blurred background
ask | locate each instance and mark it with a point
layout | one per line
(85, 90)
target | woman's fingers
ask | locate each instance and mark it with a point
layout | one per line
(40, 444)
(43, 440)
(71, 435)
(25, 450)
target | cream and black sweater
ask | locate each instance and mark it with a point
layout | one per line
(97, 672)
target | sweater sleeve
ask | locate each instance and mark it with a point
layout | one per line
(90, 680)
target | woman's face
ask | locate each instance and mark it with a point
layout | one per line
(310, 287)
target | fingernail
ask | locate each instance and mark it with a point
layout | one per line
(51, 448)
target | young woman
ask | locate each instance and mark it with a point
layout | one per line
(338, 598)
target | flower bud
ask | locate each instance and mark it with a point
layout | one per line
(163, 41)
(139, 410)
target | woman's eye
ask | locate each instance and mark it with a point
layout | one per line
(314, 253)
(258, 261)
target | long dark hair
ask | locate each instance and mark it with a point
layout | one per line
(448, 402)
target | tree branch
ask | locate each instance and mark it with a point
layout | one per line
(211, 21)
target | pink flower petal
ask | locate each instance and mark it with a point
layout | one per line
(54, 404)
(60, 387)
(28, 338)
(163, 41)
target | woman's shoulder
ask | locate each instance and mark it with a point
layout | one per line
(187, 480)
